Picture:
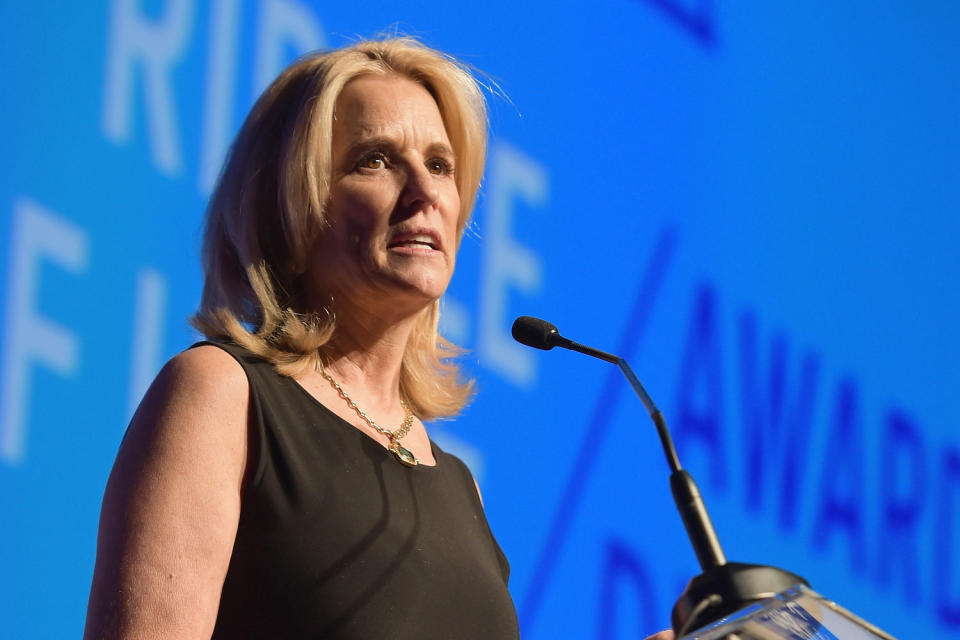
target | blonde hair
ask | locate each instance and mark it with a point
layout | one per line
(269, 207)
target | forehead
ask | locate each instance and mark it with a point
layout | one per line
(374, 105)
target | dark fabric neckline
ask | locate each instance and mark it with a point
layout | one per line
(436, 451)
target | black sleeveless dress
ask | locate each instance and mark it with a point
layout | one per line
(338, 540)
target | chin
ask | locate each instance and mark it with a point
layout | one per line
(424, 293)
(427, 284)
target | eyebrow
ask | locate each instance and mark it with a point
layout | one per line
(377, 142)
(440, 148)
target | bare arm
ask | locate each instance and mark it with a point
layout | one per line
(172, 504)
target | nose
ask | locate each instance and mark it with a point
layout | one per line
(420, 190)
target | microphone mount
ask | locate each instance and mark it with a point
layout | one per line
(540, 334)
(722, 588)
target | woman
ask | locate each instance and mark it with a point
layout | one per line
(278, 481)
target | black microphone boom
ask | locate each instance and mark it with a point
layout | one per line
(723, 587)
(540, 334)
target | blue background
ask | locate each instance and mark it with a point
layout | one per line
(755, 203)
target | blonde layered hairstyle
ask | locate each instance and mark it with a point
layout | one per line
(270, 206)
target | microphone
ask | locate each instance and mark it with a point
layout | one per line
(535, 333)
(723, 587)
(540, 334)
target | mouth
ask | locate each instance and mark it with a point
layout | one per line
(416, 239)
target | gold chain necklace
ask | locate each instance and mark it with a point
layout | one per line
(404, 455)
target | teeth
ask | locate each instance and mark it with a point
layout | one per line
(418, 239)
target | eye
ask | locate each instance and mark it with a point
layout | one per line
(440, 166)
(374, 160)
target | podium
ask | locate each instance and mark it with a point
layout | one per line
(797, 613)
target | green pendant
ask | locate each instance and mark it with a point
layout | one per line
(404, 455)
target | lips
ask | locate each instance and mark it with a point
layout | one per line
(415, 239)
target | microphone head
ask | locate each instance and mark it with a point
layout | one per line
(535, 333)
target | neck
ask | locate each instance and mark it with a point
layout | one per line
(365, 356)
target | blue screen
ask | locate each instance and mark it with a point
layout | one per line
(755, 203)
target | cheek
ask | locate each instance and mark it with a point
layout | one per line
(453, 228)
(451, 205)
(359, 214)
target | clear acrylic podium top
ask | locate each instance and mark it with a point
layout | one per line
(798, 613)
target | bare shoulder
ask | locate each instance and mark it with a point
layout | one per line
(200, 397)
(205, 373)
(172, 503)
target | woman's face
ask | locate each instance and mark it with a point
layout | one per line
(393, 203)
